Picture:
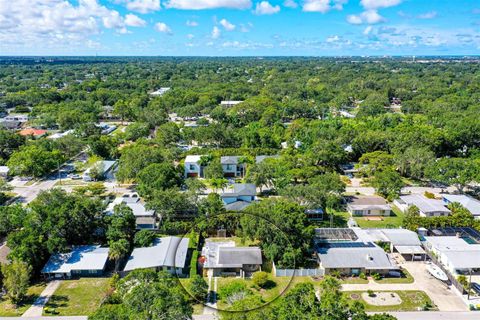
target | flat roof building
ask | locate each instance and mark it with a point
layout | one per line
(368, 206)
(427, 207)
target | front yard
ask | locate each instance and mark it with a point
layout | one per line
(393, 221)
(8, 310)
(410, 300)
(78, 297)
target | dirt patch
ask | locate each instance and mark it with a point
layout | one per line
(382, 299)
(355, 296)
(373, 219)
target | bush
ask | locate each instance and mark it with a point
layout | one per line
(362, 276)
(193, 263)
(429, 195)
(198, 288)
(235, 290)
(144, 238)
(260, 278)
(376, 276)
(371, 293)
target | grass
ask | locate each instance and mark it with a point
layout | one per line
(393, 221)
(238, 241)
(69, 182)
(406, 279)
(8, 310)
(79, 297)
(411, 301)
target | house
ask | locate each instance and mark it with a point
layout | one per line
(368, 206)
(10, 125)
(106, 128)
(230, 103)
(106, 166)
(260, 159)
(16, 117)
(457, 249)
(427, 207)
(160, 92)
(82, 261)
(232, 167)
(36, 133)
(145, 219)
(225, 259)
(314, 214)
(342, 250)
(59, 135)
(469, 203)
(4, 170)
(167, 253)
(242, 195)
(193, 168)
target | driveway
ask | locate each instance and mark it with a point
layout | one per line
(36, 309)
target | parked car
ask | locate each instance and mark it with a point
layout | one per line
(74, 176)
(476, 288)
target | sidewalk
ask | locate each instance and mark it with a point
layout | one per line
(36, 309)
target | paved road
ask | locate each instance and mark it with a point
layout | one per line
(46, 318)
(406, 190)
(432, 315)
(36, 309)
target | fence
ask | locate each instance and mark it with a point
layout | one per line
(452, 279)
(298, 272)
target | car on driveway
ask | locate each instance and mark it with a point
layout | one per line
(74, 176)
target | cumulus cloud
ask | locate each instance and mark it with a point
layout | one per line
(427, 15)
(163, 27)
(227, 25)
(366, 17)
(377, 4)
(290, 4)
(208, 4)
(132, 20)
(141, 6)
(265, 7)
(192, 23)
(322, 6)
(216, 32)
(190, 36)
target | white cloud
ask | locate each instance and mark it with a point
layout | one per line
(190, 36)
(208, 4)
(265, 7)
(192, 23)
(246, 27)
(366, 17)
(227, 25)
(216, 32)
(132, 20)
(323, 6)
(427, 15)
(333, 39)
(163, 27)
(367, 30)
(376, 4)
(143, 6)
(290, 4)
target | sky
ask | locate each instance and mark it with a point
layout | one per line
(239, 27)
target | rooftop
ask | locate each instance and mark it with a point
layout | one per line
(80, 258)
(469, 203)
(425, 204)
(367, 202)
(241, 189)
(225, 255)
(369, 257)
(229, 159)
(192, 158)
(167, 251)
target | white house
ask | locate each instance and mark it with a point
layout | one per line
(368, 206)
(106, 166)
(192, 166)
(230, 103)
(242, 195)
(160, 92)
(469, 203)
(145, 219)
(167, 253)
(427, 207)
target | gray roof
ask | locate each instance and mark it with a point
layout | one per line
(80, 258)
(229, 160)
(168, 251)
(241, 189)
(368, 203)
(239, 256)
(237, 205)
(139, 209)
(369, 257)
(397, 237)
(259, 159)
(424, 204)
(469, 203)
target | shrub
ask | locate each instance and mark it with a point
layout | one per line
(198, 288)
(371, 293)
(260, 278)
(144, 238)
(362, 276)
(376, 276)
(193, 263)
(235, 290)
(429, 195)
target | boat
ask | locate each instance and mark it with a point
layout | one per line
(435, 271)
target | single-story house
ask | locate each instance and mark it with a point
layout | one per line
(230, 103)
(314, 214)
(160, 92)
(17, 117)
(242, 195)
(427, 207)
(82, 261)
(192, 166)
(232, 167)
(168, 254)
(10, 125)
(145, 219)
(350, 251)
(458, 251)
(107, 167)
(225, 259)
(469, 203)
(36, 133)
(368, 206)
(106, 128)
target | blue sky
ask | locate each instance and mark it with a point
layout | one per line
(239, 27)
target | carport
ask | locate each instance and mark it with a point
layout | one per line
(411, 253)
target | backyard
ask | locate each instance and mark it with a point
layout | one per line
(78, 297)
(8, 310)
(393, 221)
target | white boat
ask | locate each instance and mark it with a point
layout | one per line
(435, 271)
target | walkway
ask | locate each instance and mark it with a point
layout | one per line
(36, 310)
(210, 308)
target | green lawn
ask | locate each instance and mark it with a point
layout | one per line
(411, 301)
(79, 297)
(393, 221)
(8, 310)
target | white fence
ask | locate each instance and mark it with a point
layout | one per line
(298, 272)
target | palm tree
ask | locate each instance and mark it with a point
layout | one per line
(245, 160)
(203, 162)
(118, 249)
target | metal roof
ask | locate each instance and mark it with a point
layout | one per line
(368, 257)
(469, 203)
(424, 204)
(80, 258)
(237, 205)
(192, 158)
(225, 255)
(367, 202)
(229, 159)
(167, 251)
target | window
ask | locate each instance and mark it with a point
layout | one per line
(192, 167)
(229, 167)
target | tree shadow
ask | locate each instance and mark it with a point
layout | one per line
(58, 301)
(270, 284)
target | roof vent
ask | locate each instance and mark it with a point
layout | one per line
(369, 257)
